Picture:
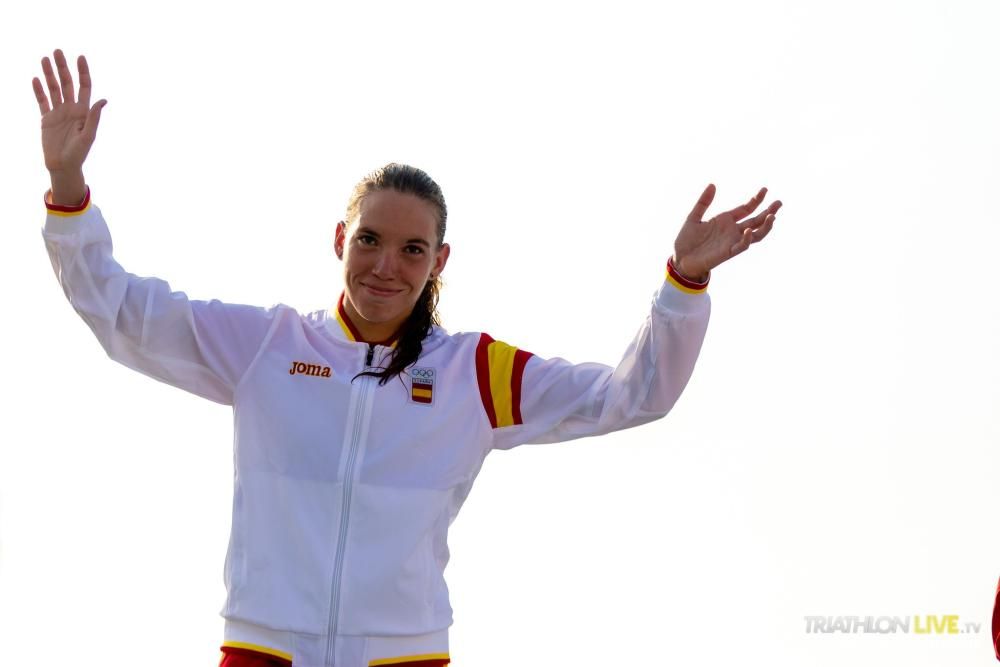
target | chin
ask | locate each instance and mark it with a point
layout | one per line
(379, 316)
(378, 313)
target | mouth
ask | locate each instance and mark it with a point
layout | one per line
(380, 291)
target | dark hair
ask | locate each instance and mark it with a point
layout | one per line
(408, 180)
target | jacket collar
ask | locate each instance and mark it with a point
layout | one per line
(339, 323)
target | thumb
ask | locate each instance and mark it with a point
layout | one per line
(93, 118)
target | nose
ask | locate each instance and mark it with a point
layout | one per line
(385, 265)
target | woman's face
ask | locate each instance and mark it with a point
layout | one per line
(389, 253)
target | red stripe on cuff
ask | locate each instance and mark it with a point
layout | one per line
(686, 282)
(56, 208)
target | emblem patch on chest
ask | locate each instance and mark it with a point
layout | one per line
(422, 385)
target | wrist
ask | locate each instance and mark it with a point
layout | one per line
(685, 271)
(68, 188)
(682, 282)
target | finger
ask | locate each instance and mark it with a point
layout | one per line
(745, 240)
(43, 100)
(743, 211)
(81, 65)
(760, 218)
(698, 212)
(65, 76)
(93, 118)
(50, 80)
(762, 231)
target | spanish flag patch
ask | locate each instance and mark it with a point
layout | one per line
(422, 385)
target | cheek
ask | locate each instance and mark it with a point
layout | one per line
(354, 263)
(419, 273)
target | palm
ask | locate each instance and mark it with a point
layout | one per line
(703, 245)
(63, 142)
(69, 124)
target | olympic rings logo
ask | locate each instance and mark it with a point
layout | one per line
(425, 373)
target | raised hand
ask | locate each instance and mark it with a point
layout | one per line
(69, 126)
(703, 245)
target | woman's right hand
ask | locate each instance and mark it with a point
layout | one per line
(69, 127)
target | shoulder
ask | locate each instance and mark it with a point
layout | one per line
(278, 311)
(482, 341)
(499, 373)
(492, 356)
(314, 318)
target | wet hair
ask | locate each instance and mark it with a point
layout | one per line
(408, 180)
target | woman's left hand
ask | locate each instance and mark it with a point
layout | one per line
(703, 245)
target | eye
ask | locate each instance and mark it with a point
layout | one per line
(366, 239)
(413, 250)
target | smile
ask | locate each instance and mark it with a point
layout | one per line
(380, 291)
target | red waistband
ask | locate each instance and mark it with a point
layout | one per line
(244, 657)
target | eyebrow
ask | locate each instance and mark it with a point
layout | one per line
(366, 230)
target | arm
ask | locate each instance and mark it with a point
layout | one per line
(529, 399)
(202, 347)
(562, 401)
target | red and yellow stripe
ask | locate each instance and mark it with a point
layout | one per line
(685, 285)
(236, 650)
(499, 370)
(421, 392)
(67, 211)
(425, 660)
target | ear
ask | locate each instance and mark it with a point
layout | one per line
(339, 238)
(440, 259)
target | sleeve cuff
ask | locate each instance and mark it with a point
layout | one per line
(66, 211)
(684, 284)
(69, 220)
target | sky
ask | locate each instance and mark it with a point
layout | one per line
(834, 454)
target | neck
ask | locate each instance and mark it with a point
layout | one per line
(370, 332)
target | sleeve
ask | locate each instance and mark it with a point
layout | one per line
(528, 399)
(203, 347)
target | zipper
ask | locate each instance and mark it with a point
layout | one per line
(352, 456)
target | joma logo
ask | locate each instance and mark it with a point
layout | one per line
(309, 369)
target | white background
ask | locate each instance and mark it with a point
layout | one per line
(835, 453)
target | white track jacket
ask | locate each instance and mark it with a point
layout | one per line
(344, 489)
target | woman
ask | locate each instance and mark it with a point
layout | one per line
(360, 429)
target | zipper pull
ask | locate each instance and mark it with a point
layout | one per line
(371, 353)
